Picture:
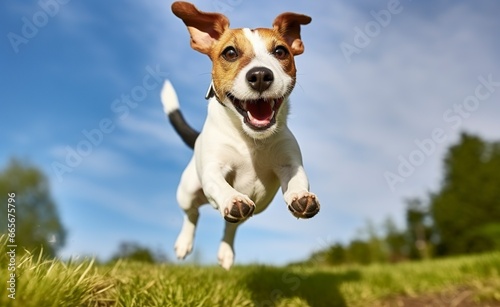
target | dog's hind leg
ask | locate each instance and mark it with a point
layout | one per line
(190, 197)
(226, 248)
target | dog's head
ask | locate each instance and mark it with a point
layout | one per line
(253, 70)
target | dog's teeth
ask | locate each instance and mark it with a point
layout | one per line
(244, 105)
(250, 117)
(272, 103)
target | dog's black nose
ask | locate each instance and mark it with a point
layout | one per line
(260, 78)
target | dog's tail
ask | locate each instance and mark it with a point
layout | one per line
(171, 108)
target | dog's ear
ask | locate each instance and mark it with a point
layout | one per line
(204, 28)
(288, 25)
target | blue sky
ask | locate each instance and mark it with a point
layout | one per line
(381, 84)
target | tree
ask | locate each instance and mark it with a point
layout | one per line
(359, 251)
(135, 252)
(395, 240)
(419, 232)
(373, 241)
(466, 210)
(37, 223)
(336, 254)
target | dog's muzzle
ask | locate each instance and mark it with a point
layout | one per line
(258, 114)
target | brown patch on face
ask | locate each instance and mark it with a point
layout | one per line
(225, 69)
(274, 40)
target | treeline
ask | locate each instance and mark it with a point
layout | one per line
(34, 223)
(383, 243)
(133, 251)
(31, 220)
(462, 217)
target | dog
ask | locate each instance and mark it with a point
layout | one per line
(245, 151)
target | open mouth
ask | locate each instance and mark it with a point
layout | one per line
(258, 114)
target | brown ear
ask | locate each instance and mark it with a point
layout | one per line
(288, 25)
(204, 28)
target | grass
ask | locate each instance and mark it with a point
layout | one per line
(42, 282)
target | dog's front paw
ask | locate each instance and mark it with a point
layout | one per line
(239, 208)
(304, 205)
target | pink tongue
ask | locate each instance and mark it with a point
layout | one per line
(261, 112)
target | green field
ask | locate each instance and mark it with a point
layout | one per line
(462, 281)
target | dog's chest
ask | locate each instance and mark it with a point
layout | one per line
(252, 174)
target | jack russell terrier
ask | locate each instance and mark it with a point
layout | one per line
(245, 151)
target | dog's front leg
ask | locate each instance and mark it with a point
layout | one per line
(233, 205)
(295, 187)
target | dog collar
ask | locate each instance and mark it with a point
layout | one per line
(211, 93)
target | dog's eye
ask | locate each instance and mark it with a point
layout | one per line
(280, 52)
(230, 54)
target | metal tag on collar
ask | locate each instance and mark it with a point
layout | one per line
(210, 92)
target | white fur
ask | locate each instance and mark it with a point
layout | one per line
(233, 162)
(169, 98)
